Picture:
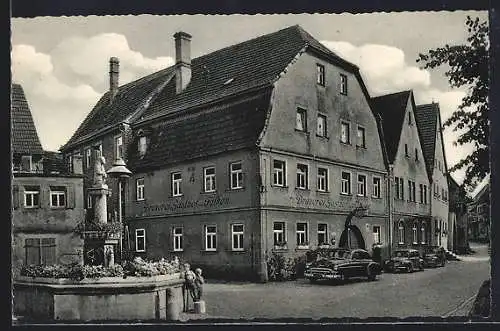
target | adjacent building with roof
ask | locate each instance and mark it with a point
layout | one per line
(262, 146)
(458, 239)
(410, 197)
(429, 124)
(46, 199)
(479, 213)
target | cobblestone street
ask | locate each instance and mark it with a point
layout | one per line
(446, 292)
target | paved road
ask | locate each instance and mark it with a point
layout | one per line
(447, 291)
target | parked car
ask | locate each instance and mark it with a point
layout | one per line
(435, 258)
(407, 260)
(340, 264)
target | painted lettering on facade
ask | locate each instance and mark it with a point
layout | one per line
(178, 205)
(316, 203)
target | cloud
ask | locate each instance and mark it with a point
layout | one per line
(383, 67)
(64, 84)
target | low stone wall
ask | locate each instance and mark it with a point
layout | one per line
(108, 298)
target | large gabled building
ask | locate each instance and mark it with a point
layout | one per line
(47, 200)
(262, 146)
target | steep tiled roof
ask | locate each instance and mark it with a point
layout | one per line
(237, 68)
(24, 136)
(427, 117)
(391, 108)
(226, 126)
(53, 162)
(129, 98)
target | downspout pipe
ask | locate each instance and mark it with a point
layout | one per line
(390, 206)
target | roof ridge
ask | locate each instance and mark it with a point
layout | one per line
(392, 94)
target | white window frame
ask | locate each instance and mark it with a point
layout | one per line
(279, 232)
(376, 234)
(237, 245)
(139, 189)
(89, 201)
(401, 233)
(323, 232)
(137, 236)
(415, 233)
(236, 175)
(320, 74)
(302, 179)
(277, 172)
(58, 194)
(210, 237)
(88, 157)
(322, 179)
(376, 188)
(119, 147)
(345, 139)
(423, 239)
(176, 184)
(302, 236)
(361, 184)
(343, 181)
(343, 84)
(142, 144)
(302, 115)
(178, 239)
(209, 180)
(362, 143)
(31, 193)
(30, 158)
(321, 130)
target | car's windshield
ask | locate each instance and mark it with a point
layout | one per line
(401, 254)
(333, 254)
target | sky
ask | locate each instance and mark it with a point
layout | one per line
(62, 62)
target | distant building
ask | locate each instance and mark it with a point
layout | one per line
(47, 200)
(428, 119)
(263, 146)
(410, 191)
(458, 240)
(479, 214)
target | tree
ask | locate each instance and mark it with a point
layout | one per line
(467, 66)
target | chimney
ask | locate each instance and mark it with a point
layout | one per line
(114, 71)
(182, 60)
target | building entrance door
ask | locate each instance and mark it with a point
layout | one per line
(352, 238)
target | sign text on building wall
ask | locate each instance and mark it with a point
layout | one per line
(177, 205)
(327, 203)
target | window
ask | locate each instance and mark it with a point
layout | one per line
(321, 126)
(411, 191)
(209, 174)
(26, 163)
(177, 234)
(88, 157)
(344, 133)
(345, 183)
(301, 120)
(376, 234)
(376, 187)
(400, 193)
(57, 198)
(236, 175)
(415, 233)
(322, 179)
(425, 194)
(422, 233)
(142, 145)
(279, 233)
(361, 185)
(421, 187)
(210, 237)
(279, 170)
(343, 84)
(416, 154)
(410, 120)
(302, 234)
(406, 151)
(32, 197)
(302, 176)
(89, 201)
(70, 163)
(140, 240)
(99, 147)
(237, 237)
(361, 137)
(176, 184)
(401, 232)
(40, 251)
(322, 234)
(139, 189)
(119, 147)
(320, 74)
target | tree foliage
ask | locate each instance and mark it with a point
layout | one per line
(467, 66)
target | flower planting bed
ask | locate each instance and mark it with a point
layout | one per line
(143, 293)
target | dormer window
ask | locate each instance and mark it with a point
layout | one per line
(26, 163)
(142, 145)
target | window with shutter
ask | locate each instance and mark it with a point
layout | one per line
(70, 203)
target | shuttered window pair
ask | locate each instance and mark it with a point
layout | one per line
(43, 196)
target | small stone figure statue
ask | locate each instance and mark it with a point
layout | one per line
(189, 286)
(99, 171)
(198, 285)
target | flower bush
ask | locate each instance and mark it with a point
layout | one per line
(138, 267)
(280, 268)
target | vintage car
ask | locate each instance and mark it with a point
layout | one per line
(340, 264)
(407, 260)
(435, 258)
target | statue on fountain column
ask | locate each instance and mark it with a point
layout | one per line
(100, 172)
